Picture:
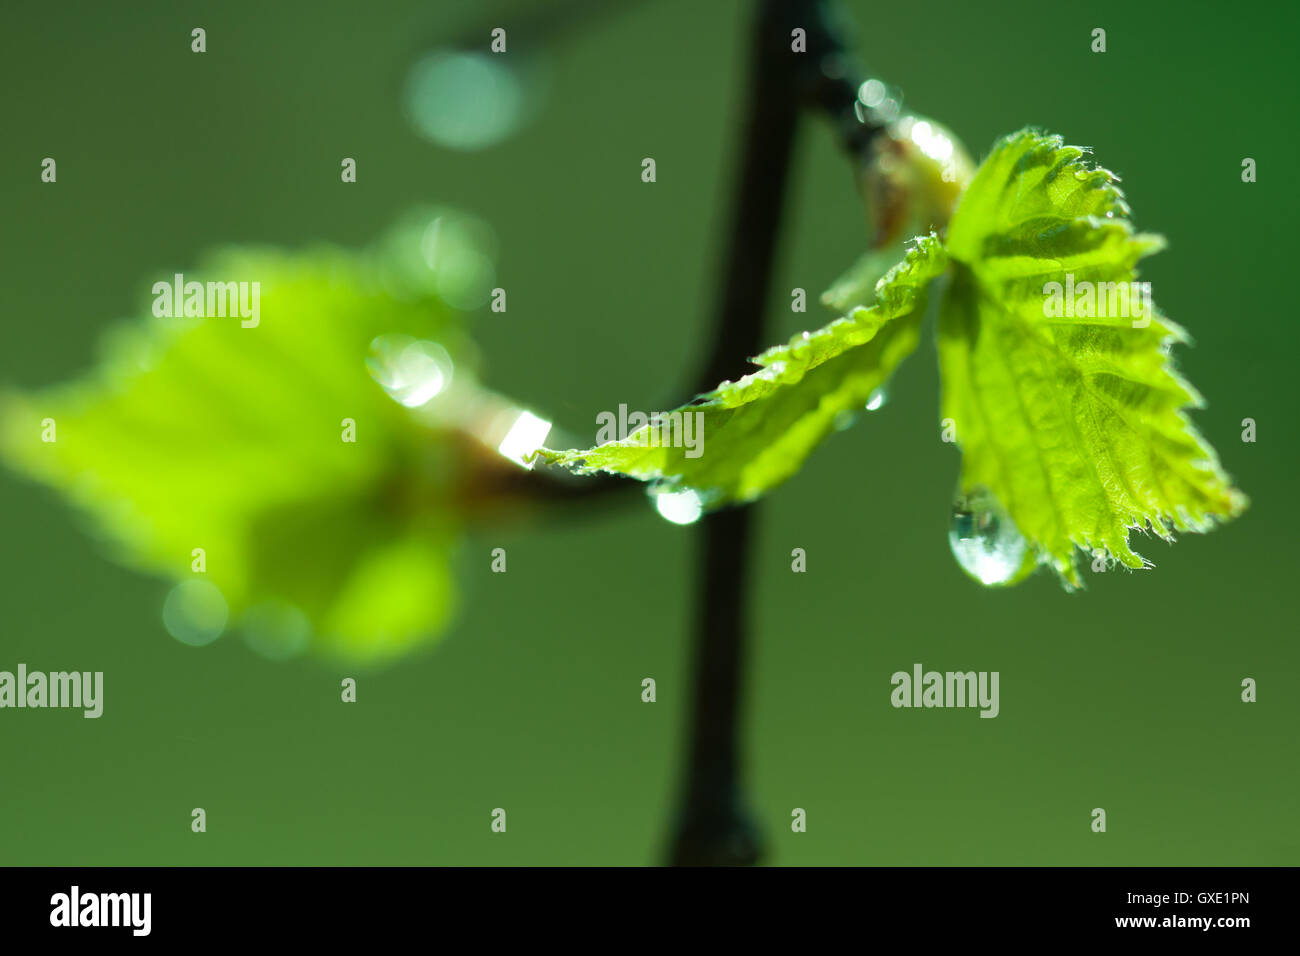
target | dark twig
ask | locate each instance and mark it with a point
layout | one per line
(714, 825)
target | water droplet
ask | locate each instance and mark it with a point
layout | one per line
(411, 371)
(678, 505)
(459, 251)
(872, 93)
(435, 250)
(877, 399)
(844, 420)
(195, 612)
(465, 101)
(984, 540)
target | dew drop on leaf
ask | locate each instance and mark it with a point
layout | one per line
(802, 345)
(877, 399)
(984, 539)
(678, 505)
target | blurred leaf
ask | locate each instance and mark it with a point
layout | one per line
(758, 431)
(1077, 426)
(200, 433)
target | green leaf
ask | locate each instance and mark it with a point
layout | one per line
(757, 431)
(201, 433)
(1075, 424)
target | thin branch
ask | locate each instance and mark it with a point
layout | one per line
(714, 825)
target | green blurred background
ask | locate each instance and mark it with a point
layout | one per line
(1126, 696)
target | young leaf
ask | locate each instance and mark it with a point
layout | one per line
(1073, 419)
(756, 432)
(202, 433)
